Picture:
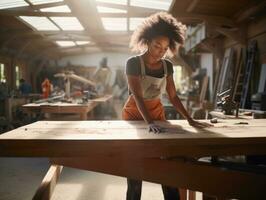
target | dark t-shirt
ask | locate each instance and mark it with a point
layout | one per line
(133, 67)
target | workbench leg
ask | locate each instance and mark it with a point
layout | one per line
(45, 190)
(83, 116)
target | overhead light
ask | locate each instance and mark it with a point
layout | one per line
(120, 2)
(82, 42)
(68, 23)
(134, 22)
(114, 24)
(4, 4)
(65, 43)
(153, 4)
(40, 23)
(37, 2)
(63, 9)
(102, 9)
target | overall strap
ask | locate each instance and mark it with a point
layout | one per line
(142, 66)
(165, 67)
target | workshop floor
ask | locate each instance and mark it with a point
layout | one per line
(20, 178)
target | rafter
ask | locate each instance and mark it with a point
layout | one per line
(33, 13)
(244, 14)
(192, 5)
(212, 19)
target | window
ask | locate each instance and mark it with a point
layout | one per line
(40, 23)
(2, 73)
(68, 23)
(17, 71)
(4, 4)
(114, 24)
(153, 4)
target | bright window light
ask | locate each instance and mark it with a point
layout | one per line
(82, 42)
(68, 23)
(114, 24)
(64, 9)
(40, 23)
(154, 4)
(65, 43)
(121, 2)
(12, 4)
(134, 22)
(102, 9)
(37, 2)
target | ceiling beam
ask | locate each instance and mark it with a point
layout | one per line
(82, 9)
(192, 5)
(251, 10)
(33, 13)
(212, 19)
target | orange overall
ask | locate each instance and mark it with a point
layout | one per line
(154, 107)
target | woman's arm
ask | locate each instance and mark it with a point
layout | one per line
(135, 88)
(174, 99)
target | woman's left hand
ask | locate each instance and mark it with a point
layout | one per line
(199, 124)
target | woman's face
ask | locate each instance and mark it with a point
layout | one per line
(158, 46)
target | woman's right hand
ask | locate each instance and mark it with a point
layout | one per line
(155, 128)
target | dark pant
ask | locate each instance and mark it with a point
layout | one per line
(134, 191)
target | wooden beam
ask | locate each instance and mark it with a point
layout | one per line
(32, 13)
(251, 10)
(45, 190)
(192, 5)
(236, 35)
(213, 46)
(210, 19)
(177, 172)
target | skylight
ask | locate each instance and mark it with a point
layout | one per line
(68, 23)
(121, 2)
(37, 2)
(134, 22)
(64, 9)
(65, 43)
(154, 4)
(12, 4)
(102, 9)
(82, 42)
(40, 23)
(114, 24)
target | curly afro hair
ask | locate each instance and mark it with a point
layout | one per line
(158, 24)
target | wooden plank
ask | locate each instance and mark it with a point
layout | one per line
(131, 138)
(48, 184)
(193, 175)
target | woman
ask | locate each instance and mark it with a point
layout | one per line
(149, 75)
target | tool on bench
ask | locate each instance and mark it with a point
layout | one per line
(226, 103)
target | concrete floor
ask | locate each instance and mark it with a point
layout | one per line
(20, 177)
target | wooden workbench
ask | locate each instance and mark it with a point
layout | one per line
(128, 149)
(63, 107)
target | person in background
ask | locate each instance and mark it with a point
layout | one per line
(149, 75)
(46, 88)
(24, 87)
